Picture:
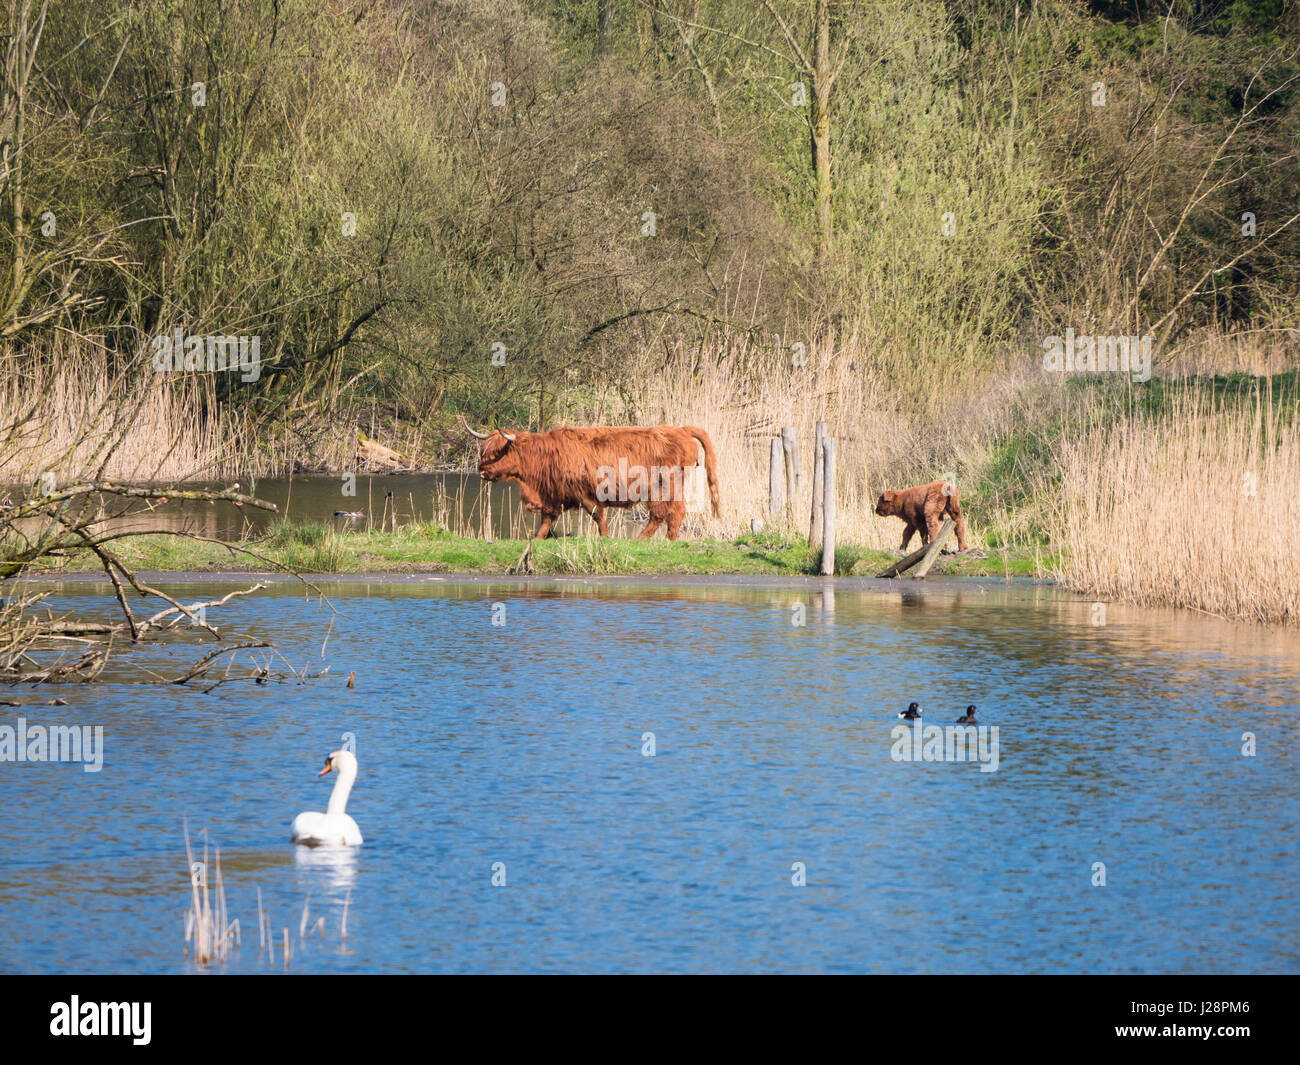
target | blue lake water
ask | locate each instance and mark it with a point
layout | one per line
(521, 744)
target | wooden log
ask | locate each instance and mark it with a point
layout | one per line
(815, 518)
(945, 531)
(373, 452)
(828, 507)
(775, 476)
(924, 556)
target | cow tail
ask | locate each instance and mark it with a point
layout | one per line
(710, 465)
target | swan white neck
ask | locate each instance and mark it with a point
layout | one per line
(342, 787)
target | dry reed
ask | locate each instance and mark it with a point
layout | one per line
(1196, 508)
(68, 411)
(74, 411)
(209, 936)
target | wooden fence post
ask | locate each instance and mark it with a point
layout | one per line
(790, 448)
(828, 508)
(815, 519)
(775, 475)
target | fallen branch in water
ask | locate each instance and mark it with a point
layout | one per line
(70, 521)
(524, 564)
(86, 668)
(200, 668)
(67, 523)
(140, 628)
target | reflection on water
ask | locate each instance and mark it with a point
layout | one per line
(515, 752)
(329, 869)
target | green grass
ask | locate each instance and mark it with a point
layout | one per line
(427, 548)
(1157, 397)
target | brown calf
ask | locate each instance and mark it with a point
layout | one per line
(921, 508)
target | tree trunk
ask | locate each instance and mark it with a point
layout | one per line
(604, 25)
(821, 122)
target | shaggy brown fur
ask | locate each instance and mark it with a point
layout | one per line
(567, 468)
(921, 509)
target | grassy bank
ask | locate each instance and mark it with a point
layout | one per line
(428, 548)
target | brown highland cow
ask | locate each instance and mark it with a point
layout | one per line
(598, 467)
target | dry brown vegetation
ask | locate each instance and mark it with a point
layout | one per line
(1197, 509)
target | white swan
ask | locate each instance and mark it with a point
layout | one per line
(333, 827)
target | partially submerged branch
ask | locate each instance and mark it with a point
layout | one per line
(67, 526)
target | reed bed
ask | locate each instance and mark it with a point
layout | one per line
(209, 935)
(1196, 507)
(1256, 351)
(72, 412)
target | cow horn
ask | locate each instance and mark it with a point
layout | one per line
(508, 436)
(481, 436)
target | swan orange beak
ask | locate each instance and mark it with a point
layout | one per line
(328, 766)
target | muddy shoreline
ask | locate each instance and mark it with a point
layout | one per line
(737, 580)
